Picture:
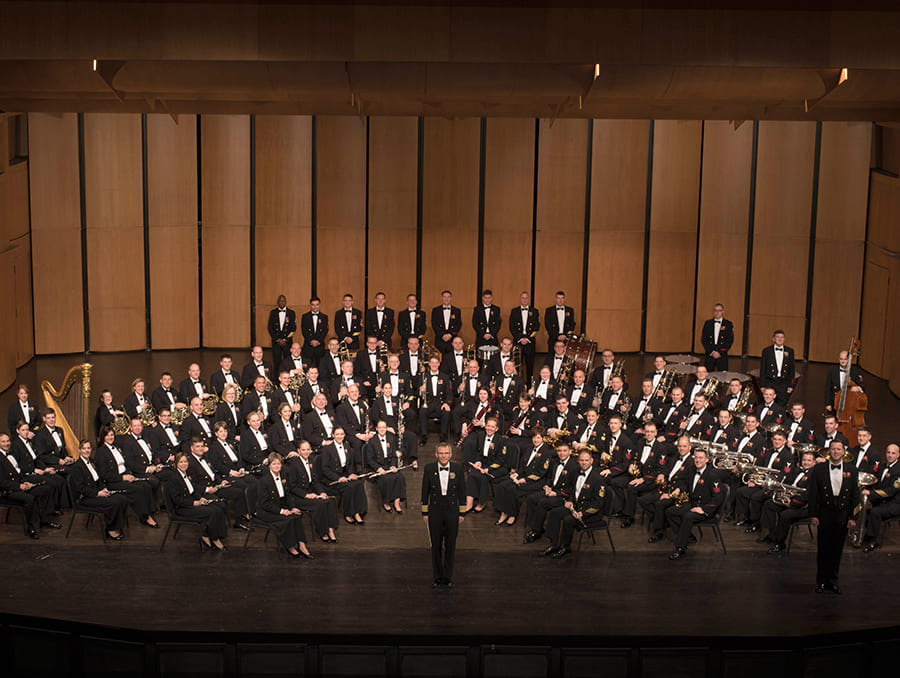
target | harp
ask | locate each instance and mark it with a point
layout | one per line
(71, 405)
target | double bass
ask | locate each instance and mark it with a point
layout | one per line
(850, 405)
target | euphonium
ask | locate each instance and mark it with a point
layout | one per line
(758, 475)
(210, 404)
(712, 385)
(782, 493)
(856, 534)
(724, 460)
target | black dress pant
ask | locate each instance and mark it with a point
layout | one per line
(324, 515)
(830, 545)
(288, 529)
(391, 486)
(539, 505)
(508, 496)
(716, 364)
(28, 502)
(748, 502)
(55, 496)
(443, 527)
(561, 525)
(139, 494)
(478, 486)
(434, 410)
(213, 517)
(633, 493)
(878, 515)
(113, 508)
(682, 519)
(353, 497)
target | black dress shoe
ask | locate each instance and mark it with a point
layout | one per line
(547, 551)
(56, 513)
(820, 588)
(753, 528)
(333, 540)
(728, 517)
(871, 547)
(50, 525)
(836, 589)
(764, 540)
(742, 522)
(387, 509)
(628, 522)
(562, 553)
(204, 546)
(530, 537)
(692, 539)
(656, 537)
(448, 584)
(31, 533)
(776, 548)
(117, 538)
(676, 554)
(307, 556)
(436, 584)
(154, 526)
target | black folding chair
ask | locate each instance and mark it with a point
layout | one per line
(713, 522)
(589, 531)
(177, 521)
(79, 507)
(9, 504)
(256, 522)
(799, 523)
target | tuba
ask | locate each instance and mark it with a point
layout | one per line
(782, 493)
(859, 532)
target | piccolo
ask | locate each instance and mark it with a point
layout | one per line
(472, 464)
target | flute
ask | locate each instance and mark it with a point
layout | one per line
(472, 464)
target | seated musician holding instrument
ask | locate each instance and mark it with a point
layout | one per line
(511, 388)
(700, 420)
(467, 389)
(778, 515)
(668, 483)
(735, 400)
(437, 394)
(211, 484)
(754, 443)
(380, 454)
(543, 391)
(91, 492)
(619, 460)
(528, 477)
(749, 498)
(230, 412)
(340, 471)
(496, 366)
(486, 456)
(884, 497)
(556, 359)
(562, 419)
(36, 471)
(24, 490)
(615, 400)
(190, 500)
(389, 408)
(275, 506)
(866, 456)
(726, 431)
(650, 458)
(113, 470)
(583, 509)
(309, 492)
(579, 394)
(705, 497)
(139, 457)
(645, 409)
(670, 415)
(603, 373)
(50, 442)
(590, 434)
(225, 460)
(476, 412)
(832, 433)
(520, 424)
(559, 483)
(283, 393)
(106, 412)
(255, 445)
(283, 434)
(769, 412)
(137, 403)
(319, 423)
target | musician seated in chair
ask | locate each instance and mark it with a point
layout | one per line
(800, 429)
(583, 509)
(476, 412)
(650, 461)
(700, 421)
(832, 433)
(562, 422)
(25, 491)
(578, 393)
(519, 425)
(749, 498)
(381, 457)
(309, 492)
(543, 391)
(780, 512)
(485, 454)
(620, 461)
(556, 360)
(884, 498)
(769, 412)
(388, 408)
(668, 487)
(437, 394)
(213, 485)
(706, 494)
(528, 477)
(726, 431)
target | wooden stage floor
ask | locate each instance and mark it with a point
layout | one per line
(377, 582)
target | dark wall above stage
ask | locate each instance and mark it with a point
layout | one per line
(346, 204)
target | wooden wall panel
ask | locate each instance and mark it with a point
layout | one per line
(225, 205)
(724, 221)
(113, 192)
(450, 216)
(393, 205)
(674, 210)
(784, 179)
(840, 237)
(17, 220)
(172, 214)
(341, 210)
(508, 211)
(24, 301)
(56, 232)
(4, 211)
(618, 216)
(8, 309)
(562, 173)
(283, 214)
(884, 208)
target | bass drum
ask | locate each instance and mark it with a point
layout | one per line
(581, 352)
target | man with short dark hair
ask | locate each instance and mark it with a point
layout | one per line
(443, 506)
(314, 327)
(282, 325)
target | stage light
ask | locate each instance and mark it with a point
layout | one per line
(94, 65)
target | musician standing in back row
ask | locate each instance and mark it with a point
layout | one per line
(380, 321)
(524, 324)
(348, 323)
(282, 325)
(446, 320)
(314, 327)
(717, 337)
(559, 320)
(837, 378)
(486, 320)
(777, 368)
(411, 321)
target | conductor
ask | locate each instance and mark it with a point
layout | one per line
(443, 503)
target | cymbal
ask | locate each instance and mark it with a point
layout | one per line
(681, 368)
(683, 358)
(724, 375)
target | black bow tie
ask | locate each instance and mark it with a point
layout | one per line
(444, 468)
(835, 467)
(582, 473)
(778, 349)
(718, 322)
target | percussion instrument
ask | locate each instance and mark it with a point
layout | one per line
(582, 351)
(682, 368)
(683, 358)
(486, 352)
(724, 377)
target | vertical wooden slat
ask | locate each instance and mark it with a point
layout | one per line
(508, 211)
(784, 182)
(341, 210)
(225, 196)
(840, 237)
(283, 214)
(450, 215)
(618, 207)
(393, 149)
(562, 172)
(724, 221)
(56, 232)
(172, 213)
(673, 235)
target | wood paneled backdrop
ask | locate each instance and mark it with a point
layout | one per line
(670, 214)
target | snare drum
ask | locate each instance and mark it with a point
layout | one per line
(486, 352)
